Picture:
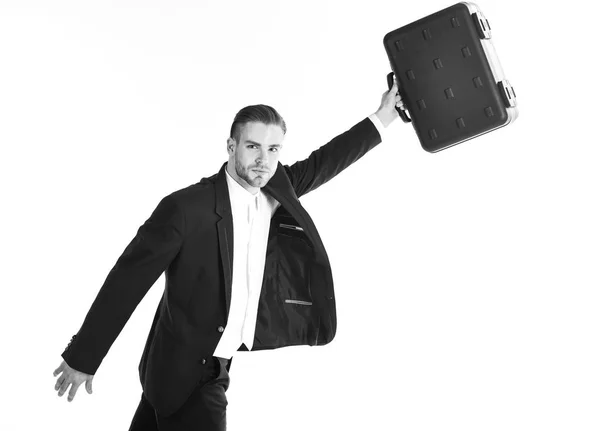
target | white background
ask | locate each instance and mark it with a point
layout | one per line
(467, 281)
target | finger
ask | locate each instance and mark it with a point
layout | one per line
(59, 369)
(59, 382)
(63, 388)
(88, 385)
(73, 391)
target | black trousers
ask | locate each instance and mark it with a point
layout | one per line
(204, 410)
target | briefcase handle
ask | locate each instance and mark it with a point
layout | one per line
(401, 112)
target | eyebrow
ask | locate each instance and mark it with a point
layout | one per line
(249, 141)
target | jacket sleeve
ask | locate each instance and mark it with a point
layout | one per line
(150, 252)
(332, 158)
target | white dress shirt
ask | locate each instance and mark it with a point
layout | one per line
(251, 220)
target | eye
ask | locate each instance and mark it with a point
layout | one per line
(274, 149)
(251, 146)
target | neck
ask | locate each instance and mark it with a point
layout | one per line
(231, 170)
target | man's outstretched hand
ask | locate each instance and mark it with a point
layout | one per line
(387, 110)
(69, 376)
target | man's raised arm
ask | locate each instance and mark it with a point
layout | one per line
(329, 160)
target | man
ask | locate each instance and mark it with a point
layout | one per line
(245, 269)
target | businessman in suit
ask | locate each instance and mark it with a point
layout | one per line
(245, 269)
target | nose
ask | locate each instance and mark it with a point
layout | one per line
(261, 158)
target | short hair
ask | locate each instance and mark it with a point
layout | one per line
(255, 113)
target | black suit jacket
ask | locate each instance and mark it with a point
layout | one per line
(189, 236)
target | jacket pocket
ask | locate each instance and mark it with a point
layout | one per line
(290, 226)
(297, 301)
(293, 232)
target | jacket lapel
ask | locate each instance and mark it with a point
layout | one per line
(225, 231)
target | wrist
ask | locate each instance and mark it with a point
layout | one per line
(383, 117)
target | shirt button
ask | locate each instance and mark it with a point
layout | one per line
(220, 329)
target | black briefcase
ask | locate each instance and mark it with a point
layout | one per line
(449, 77)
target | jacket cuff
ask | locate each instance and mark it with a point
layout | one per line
(78, 359)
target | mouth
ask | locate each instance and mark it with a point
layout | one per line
(262, 171)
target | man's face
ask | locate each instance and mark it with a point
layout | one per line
(256, 154)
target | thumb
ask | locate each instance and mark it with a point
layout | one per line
(88, 385)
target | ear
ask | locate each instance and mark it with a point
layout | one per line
(230, 145)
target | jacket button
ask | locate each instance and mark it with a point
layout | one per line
(220, 329)
(203, 361)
